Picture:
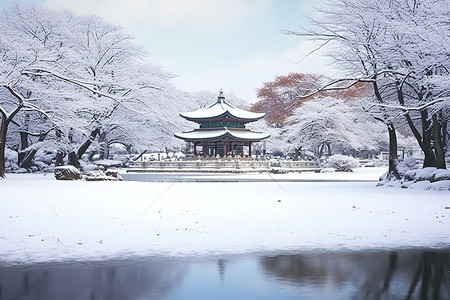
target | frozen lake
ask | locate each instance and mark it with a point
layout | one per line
(274, 239)
(359, 175)
(404, 274)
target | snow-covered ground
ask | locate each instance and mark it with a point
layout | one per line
(42, 219)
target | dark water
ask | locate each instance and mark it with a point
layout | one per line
(406, 274)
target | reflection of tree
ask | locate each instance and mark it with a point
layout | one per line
(393, 258)
(92, 281)
(433, 277)
(370, 275)
(221, 267)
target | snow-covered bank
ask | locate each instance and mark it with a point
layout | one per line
(47, 220)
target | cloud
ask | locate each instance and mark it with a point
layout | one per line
(245, 77)
(204, 14)
(307, 57)
(164, 25)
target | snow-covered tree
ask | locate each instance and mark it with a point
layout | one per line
(275, 96)
(319, 124)
(88, 81)
(17, 55)
(316, 122)
(400, 48)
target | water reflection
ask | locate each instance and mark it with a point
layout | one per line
(91, 281)
(351, 275)
(372, 275)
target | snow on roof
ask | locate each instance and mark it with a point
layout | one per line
(220, 133)
(222, 108)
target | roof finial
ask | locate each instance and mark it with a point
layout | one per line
(221, 96)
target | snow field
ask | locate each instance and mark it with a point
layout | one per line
(47, 220)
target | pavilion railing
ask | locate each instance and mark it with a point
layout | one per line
(227, 164)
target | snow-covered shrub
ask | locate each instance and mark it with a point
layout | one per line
(441, 175)
(341, 163)
(89, 167)
(10, 155)
(419, 174)
(443, 185)
(431, 174)
(109, 175)
(408, 163)
(429, 178)
(11, 160)
(44, 156)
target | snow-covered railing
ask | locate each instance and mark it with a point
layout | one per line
(238, 165)
(203, 164)
(298, 164)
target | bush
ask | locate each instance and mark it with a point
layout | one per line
(341, 163)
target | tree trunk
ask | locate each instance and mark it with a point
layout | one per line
(139, 156)
(430, 158)
(439, 151)
(424, 143)
(324, 146)
(26, 162)
(328, 149)
(393, 157)
(59, 160)
(3, 129)
(23, 145)
(73, 159)
(321, 146)
(91, 155)
(87, 143)
(393, 169)
(103, 145)
(445, 136)
(107, 151)
(5, 120)
(297, 152)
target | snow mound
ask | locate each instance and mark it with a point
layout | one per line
(443, 185)
(429, 174)
(107, 163)
(67, 173)
(89, 168)
(99, 175)
(429, 178)
(341, 163)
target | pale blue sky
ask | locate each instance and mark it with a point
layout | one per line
(235, 45)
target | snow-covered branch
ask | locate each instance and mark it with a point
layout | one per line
(409, 109)
(87, 86)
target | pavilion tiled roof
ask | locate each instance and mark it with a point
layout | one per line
(222, 133)
(221, 109)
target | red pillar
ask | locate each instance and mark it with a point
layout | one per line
(204, 149)
(224, 153)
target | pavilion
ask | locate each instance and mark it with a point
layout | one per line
(222, 129)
